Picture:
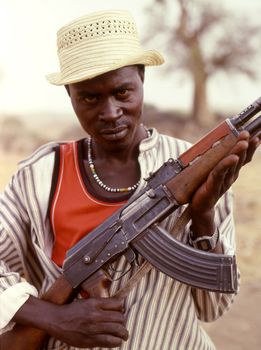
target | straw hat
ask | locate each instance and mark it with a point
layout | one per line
(98, 43)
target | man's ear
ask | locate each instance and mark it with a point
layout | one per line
(141, 71)
(67, 87)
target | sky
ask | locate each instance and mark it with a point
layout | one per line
(28, 53)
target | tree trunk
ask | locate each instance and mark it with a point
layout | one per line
(200, 109)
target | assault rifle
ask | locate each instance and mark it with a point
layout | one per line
(134, 228)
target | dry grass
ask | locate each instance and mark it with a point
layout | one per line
(247, 191)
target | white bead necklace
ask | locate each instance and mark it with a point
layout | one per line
(99, 181)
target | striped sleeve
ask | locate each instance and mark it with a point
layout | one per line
(14, 222)
(9, 261)
(14, 291)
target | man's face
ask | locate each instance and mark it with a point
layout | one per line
(109, 106)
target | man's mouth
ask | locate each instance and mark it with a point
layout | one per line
(114, 133)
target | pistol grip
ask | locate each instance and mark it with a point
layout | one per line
(96, 286)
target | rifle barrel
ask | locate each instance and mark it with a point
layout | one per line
(254, 126)
(241, 118)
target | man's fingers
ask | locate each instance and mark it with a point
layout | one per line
(225, 165)
(240, 146)
(244, 135)
(115, 304)
(224, 174)
(247, 145)
(106, 341)
(109, 328)
(245, 150)
(113, 316)
(253, 145)
(242, 155)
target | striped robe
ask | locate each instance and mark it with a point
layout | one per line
(162, 313)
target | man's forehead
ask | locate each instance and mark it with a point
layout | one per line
(124, 75)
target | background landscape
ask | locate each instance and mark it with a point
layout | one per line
(33, 112)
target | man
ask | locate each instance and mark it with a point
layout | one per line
(66, 189)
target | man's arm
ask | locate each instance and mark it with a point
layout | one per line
(83, 323)
(217, 183)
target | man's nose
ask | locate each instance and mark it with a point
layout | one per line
(110, 110)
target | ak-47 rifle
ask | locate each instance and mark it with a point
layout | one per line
(135, 227)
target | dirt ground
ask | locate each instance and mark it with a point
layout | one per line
(239, 329)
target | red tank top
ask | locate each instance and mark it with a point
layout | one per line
(74, 211)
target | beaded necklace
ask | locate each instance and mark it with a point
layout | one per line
(99, 181)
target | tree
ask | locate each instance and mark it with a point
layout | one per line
(204, 40)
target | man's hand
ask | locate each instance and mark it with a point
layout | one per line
(218, 182)
(93, 322)
(90, 323)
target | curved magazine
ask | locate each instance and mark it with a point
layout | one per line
(214, 272)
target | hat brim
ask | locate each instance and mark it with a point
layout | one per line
(147, 58)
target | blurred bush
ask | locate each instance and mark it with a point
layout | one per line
(15, 137)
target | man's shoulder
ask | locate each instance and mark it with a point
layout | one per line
(175, 140)
(160, 147)
(44, 153)
(175, 144)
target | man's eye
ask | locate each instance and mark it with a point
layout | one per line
(122, 93)
(89, 99)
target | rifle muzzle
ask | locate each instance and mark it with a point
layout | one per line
(243, 117)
